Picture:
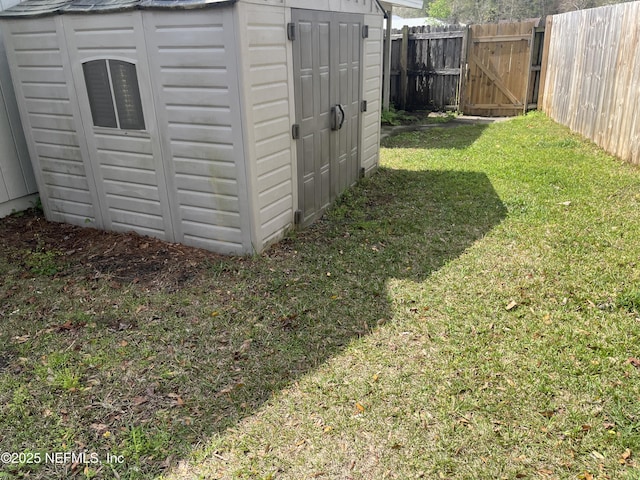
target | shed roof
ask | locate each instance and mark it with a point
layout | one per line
(36, 8)
(31, 8)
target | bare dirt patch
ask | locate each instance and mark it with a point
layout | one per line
(92, 253)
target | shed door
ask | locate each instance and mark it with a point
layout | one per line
(327, 51)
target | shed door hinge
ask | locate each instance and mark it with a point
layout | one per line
(365, 31)
(363, 106)
(295, 131)
(291, 31)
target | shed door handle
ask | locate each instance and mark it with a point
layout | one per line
(342, 116)
(338, 111)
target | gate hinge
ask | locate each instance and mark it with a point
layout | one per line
(363, 106)
(295, 131)
(365, 31)
(297, 217)
(291, 31)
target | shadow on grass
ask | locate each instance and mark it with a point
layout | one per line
(168, 370)
(459, 133)
(327, 285)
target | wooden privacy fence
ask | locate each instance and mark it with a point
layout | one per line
(593, 76)
(502, 73)
(481, 70)
(425, 67)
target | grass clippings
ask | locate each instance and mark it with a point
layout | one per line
(468, 312)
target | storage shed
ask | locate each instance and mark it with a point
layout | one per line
(17, 183)
(214, 123)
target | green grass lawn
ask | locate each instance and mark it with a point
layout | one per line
(471, 311)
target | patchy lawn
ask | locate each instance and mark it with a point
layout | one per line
(469, 312)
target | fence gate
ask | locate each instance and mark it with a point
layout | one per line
(497, 80)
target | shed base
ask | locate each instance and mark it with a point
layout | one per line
(18, 205)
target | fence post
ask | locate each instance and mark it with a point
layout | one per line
(545, 59)
(404, 60)
(463, 68)
(386, 88)
(532, 44)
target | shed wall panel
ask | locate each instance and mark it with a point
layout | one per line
(269, 94)
(17, 181)
(372, 93)
(119, 37)
(48, 114)
(197, 104)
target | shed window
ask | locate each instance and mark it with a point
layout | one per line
(114, 95)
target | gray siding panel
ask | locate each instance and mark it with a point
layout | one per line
(269, 93)
(43, 92)
(17, 180)
(127, 164)
(192, 54)
(372, 93)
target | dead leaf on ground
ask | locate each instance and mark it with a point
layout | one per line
(178, 401)
(512, 304)
(634, 361)
(69, 325)
(246, 345)
(99, 427)
(625, 456)
(225, 391)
